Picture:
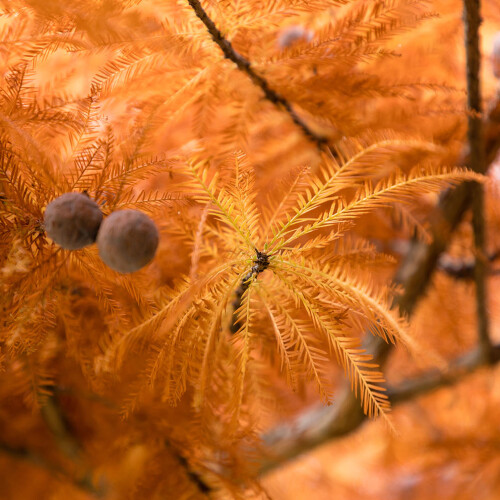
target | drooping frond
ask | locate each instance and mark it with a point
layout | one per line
(279, 204)
(365, 379)
(166, 317)
(190, 348)
(296, 342)
(410, 223)
(346, 288)
(149, 202)
(242, 341)
(243, 191)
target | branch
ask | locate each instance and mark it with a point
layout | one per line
(313, 429)
(245, 66)
(56, 423)
(200, 484)
(68, 444)
(260, 264)
(38, 460)
(472, 20)
(322, 424)
(432, 380)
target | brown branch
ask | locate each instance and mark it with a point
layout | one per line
(200, 484)
(458, 369)
(472, 21)
(321, 424)
(313, 429)
(245, 66)
(260, 264)
(34, 458)
(56, 423)
(68, 444)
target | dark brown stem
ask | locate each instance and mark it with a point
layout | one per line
(463, 269)
(472, 21)
(260, 264)
(193, 476)
(458, 369)
(57, 424)
(245, 66)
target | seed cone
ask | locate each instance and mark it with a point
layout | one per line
(127, 240)
(72, 220)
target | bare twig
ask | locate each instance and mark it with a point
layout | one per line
(260, 264)
(55, 421)
(458, 369)
(245, 66)
(472, 20)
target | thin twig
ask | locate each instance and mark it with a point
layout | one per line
(193, 476)
(432, 380)
(56, 423)
(68, 444)
(260, 264)
(472, 21)
(245, 66)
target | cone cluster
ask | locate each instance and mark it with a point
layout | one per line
(127, 239)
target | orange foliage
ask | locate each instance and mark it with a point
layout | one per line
(281, 207)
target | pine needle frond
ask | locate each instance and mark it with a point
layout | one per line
(365, 379)
(352, 291)
(226, 206)
(299, 349)
(150, 202)
(244, 193)
(346, 249)
(395, 189)
(167, 316)
(242, 355)
(410, 223)
(126, 173)
(295, 182)
(352, 163)
(189, 350)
